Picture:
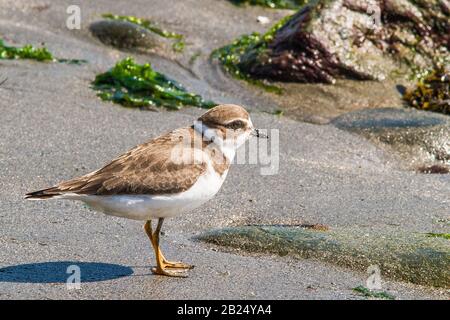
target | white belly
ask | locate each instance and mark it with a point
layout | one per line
(145, 207)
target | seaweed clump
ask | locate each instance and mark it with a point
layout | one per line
(231, 56)
(431, 93)
(177, 46)
(32, 53)
(135, 85)
(439, 235)
(274, 4)
(25, 52)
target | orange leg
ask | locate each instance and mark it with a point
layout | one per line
(162, 264)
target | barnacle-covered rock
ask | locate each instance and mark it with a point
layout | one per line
(366, 40)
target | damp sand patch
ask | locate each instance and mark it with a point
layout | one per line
(413, 257)
(140, 86)
(419, 138)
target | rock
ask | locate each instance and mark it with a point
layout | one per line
(421, 138)
(364, 40)
(127, 35)
(413, 257)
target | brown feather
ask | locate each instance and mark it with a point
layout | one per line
(224, 111)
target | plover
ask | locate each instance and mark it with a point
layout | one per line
(169, 175)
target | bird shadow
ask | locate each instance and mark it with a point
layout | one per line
(61, 271)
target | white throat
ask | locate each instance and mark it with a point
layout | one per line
(226, 147)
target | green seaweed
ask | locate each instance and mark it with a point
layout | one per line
(274, 4)
(373, 294)
(32, 53)
(135, 85)
(439, 235)
(25, 52)
(230, 55)
(177, 46)
(277, 112)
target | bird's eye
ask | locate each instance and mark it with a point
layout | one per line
(236, 124)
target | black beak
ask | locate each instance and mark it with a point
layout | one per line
(258, 134)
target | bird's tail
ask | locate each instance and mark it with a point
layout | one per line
(43, 194)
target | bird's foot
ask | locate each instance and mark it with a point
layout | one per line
(164, 272)
(177, 265)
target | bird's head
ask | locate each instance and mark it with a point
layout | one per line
(227, 125)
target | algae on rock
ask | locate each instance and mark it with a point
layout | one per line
(230, 56)
(178, 44)
(412, 257)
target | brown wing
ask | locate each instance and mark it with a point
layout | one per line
(147, 169)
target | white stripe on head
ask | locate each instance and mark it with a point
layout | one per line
(226, 147)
